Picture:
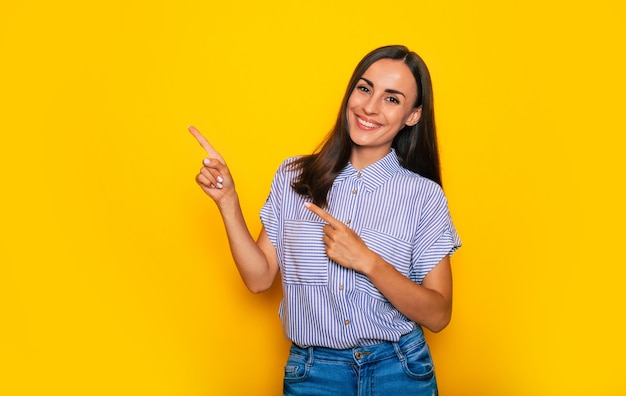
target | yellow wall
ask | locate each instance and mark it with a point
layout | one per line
(115, 278)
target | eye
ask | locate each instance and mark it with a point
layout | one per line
(363, 88)
(393, 100)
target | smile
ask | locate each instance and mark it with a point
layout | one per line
(367, 124)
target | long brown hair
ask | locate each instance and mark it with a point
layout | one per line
(415, 146)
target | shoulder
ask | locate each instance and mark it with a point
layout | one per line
(425, 195)
(289, 164)
(418, 181)
(287, 169)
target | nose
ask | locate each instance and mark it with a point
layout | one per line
(370, 105)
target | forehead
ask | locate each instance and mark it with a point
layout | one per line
(391, 74)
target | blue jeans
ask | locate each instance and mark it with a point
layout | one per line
(389, 368)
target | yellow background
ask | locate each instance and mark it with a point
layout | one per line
(115, 276)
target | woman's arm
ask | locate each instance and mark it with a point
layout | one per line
(429, 304)
(256, 260)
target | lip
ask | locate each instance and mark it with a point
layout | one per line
(360, 120)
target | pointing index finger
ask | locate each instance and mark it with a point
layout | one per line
(205, 144)
(324, 215)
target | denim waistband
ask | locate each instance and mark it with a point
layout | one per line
(368, 353)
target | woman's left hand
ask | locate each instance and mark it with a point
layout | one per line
(343, 245)
(429, 304)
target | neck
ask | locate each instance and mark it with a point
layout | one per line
(362, 157)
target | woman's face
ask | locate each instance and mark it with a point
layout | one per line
(381, 105)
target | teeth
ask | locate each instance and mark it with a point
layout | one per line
(367, 124)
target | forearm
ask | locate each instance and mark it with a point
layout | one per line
(429, 304)
(255, 268)
(256, 261)
(426, 306)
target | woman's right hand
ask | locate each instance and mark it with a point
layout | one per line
(214, 177)
(256, 261)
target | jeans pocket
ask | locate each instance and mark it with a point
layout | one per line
(417, 362)
(297, 367)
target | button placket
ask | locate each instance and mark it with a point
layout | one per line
(347, 211)
(356, 186)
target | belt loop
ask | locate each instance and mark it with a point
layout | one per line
(310, 350)
(398, 349)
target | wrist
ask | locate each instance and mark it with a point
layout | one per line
(228, 202)
(371, 264)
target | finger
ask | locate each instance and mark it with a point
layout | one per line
(205, 144)
(324, 215)
(209, 179)
(203, 180)
(213, 170)
(217, 166)
(327, 237)
(205, 184)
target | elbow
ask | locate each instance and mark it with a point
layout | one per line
(258, 287)
(439, 322)
(257, 290)
(437, 327)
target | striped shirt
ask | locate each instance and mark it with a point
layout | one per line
(400, 215)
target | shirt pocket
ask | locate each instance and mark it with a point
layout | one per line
(305, 260)
(395, 251)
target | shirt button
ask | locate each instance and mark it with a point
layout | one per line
(341, 287)
(354, 191)
(347, 321)
(348, 221)
(358, 174)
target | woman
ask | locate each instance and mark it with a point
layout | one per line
(362, 235)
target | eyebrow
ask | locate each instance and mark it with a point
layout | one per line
(393, 91)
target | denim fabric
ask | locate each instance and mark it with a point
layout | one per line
(386, 369)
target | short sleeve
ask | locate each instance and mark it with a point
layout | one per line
(270, 212)
(436, 235)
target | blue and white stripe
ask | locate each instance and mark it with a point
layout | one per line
(400, 215)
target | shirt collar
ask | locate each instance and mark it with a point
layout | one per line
(374, 175)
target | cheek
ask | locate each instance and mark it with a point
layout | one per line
(353, 101)
(405, 116)
(397, 116)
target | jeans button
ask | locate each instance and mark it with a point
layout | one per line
(358, 355)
